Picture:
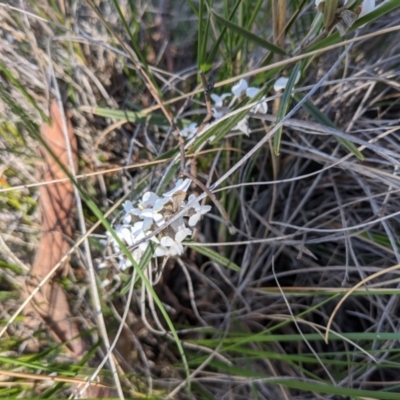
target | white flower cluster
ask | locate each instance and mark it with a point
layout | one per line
(238, 90)
(152, 212)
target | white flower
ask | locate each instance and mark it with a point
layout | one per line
(181, 185)
(148, 200)
(178, 225)
(189, 131)
(239, 88)
(217, 114)
(261, 106)
(148, 209)
(198, 208)
(252, 92)
(282, 82)
(124, 263)
(126, 235)
(153, 214)
(140, 228)
(172, 247)
(128, 206)
(242, 126)
(219, 100)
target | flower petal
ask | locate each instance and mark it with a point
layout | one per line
(194, 219)
(367, 6)
(193, 201)
(160, 251)
(126, 235)
(124, 264)
(158, 219)
(251, 92)
(177, 249)
(167, 241)
(181, 235)
(280, 83)
(181, 185)
(205, 209)
(160, 203)
(127, 219)
(242, 126)
(217, 114)
(239, 88)
(148, 199)
(128, 206)
(260, 107)
(178, 225)
(189, 130)
(219, 100)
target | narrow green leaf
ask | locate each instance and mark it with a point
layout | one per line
(201, 40)
(215, 47)
(330, 12)
(249, 35)
(284, 105)
(213, 255)
(131, 116)
(324, 120)
(168, 154)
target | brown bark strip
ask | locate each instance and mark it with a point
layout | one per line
(57, 208)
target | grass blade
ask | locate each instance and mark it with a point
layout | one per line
(213, 255)
(249, 35)
(324, 120)
(284, 105)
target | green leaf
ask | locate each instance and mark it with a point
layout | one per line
(168, 154)
(324, 120)
(330, 9)
(213, 255)
(202, 38)
(284, 105)
(249, 35)
(131, 116)
(214, 49)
